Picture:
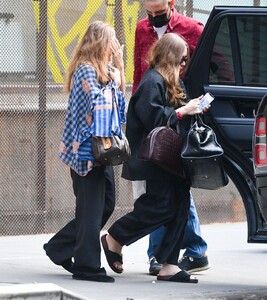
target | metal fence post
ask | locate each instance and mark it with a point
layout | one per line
(118, 20)
(41, 116)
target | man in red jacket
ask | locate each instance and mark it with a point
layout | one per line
(163, 18)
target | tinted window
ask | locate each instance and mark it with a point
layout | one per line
(243, 38)
(252, 33)
(221, 67)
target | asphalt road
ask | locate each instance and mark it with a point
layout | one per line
(238, 269)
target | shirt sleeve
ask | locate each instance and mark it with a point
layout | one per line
(107, 117)
(85, 90)
(78, 106)
(121, 103)
(102, 113)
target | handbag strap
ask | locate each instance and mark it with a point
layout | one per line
(115, 109)
(169, 120)
(115, 103)
(196, 118)
(199, 119)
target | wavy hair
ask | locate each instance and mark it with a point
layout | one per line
(92, 50)
(165, 56)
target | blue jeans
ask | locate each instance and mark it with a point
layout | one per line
(193, 242)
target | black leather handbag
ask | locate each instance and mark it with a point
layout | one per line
(202, 157)
(162, 147)
(111, 151)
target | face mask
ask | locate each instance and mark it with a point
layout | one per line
(158, 21)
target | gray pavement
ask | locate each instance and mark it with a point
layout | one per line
(238, 269)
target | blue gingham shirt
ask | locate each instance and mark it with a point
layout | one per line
(89, 113)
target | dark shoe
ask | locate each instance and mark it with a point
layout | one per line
(181, 276)
(112, 257)
(66, 264)
(155, 267)
(192, 264)
(98, 278)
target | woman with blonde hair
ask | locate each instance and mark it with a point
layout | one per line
(94, 86)
(166, 201)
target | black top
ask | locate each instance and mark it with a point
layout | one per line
(147, 110)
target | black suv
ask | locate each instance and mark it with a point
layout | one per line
(230, 62)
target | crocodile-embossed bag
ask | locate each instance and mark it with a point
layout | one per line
(202, 157)
(162, 147)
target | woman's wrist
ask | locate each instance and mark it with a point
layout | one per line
(179, 115)
(181, 111)
(121, 68)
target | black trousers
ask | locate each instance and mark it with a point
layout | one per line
(166, 202)
(95, 202)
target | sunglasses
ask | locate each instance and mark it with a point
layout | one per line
(183, 60)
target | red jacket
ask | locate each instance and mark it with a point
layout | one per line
(145, 36)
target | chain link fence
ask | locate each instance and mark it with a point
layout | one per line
(37, 39)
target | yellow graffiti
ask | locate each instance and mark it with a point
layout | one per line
(36, 9)
(51, 58)
(57, 43)
(110, 18)
(130, 18)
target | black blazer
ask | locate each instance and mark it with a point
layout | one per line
(147, 109)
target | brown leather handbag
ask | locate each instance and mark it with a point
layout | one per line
(111, 151)
(114, 150)
(162, 147)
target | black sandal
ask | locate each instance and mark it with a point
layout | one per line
(181, 276)
(111, 256)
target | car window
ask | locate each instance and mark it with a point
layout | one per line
(252, 33)
(221, 66)
(246, 42)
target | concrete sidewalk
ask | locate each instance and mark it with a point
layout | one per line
(238, 269)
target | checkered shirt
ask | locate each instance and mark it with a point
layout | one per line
(89, 113)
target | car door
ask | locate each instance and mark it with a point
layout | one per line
(230, 62)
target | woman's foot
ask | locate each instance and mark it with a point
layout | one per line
(98, 278)
(113, 245)
(168, 269)
(174, 274)
(113, 254)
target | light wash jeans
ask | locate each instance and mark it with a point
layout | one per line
(194, 244)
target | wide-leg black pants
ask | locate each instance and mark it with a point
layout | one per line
(95, 202)
(166, 202)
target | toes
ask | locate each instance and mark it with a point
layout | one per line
(118, 266)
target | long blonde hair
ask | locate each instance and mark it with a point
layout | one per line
(165, 56)
(92, 50)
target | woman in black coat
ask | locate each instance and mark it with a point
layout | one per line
(166, 201)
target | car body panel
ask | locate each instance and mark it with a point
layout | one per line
(260, 171)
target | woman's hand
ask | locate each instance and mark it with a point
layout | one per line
(193, 107)
(117, 74)
(117, 51)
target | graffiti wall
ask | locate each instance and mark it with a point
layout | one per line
(65, 30)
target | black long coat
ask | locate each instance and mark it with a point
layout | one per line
(147, 110)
